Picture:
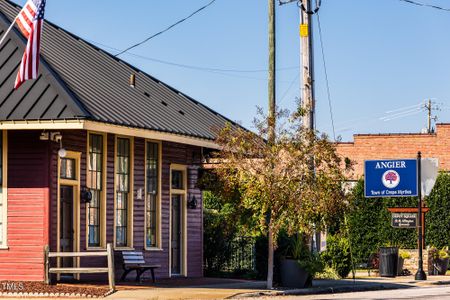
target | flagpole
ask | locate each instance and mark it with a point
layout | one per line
(7, 31)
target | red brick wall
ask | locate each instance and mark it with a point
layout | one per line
(391, 146)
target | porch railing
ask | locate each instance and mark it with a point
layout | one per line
(76, 270)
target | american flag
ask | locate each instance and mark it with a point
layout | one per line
(30, 21)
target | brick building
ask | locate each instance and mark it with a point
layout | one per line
(398, 145)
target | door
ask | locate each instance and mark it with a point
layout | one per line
(177, 229)
(66, 241)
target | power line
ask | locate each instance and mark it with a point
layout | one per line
(426, 5)
(198, 68)
(289, 88)
(168, 28)
(326, 76)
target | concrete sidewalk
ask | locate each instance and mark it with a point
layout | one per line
(208, 288)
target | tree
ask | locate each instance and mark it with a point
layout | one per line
(276, 181)
(438, 219)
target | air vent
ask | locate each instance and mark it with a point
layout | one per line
(147, 94)
(163, 103)
(181, 112)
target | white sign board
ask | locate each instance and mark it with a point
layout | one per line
(429, 173)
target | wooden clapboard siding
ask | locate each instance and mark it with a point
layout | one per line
(172, 153)
(28, 195)
(32, 204)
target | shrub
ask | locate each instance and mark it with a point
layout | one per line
(337, 255)
(327, 273)
(404, 254)
(435, 253)
(217, 238)
(438, 218)
(369, 223)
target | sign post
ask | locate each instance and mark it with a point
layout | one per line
(397, 178)
(420, 275)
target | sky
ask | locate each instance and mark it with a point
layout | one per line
(383, 57)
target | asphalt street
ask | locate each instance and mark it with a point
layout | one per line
(442, 292)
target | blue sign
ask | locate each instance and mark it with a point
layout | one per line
(390, 178)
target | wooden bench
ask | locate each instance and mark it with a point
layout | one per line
(134, 261)
(77, 270)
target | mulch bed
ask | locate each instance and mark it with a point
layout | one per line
(40, 289)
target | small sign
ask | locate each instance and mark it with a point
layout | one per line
(404, 220)
(430, 170)
(390, 178)
(304, 31)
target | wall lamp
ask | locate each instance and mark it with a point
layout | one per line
(192, 202)
(85, 195)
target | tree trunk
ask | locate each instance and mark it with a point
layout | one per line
(270, 261)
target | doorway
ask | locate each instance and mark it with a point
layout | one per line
(178, 220)
(68, 211)
(177, 229)
(67, 231)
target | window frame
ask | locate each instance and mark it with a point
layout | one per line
(184, 193)
(103, 193)
(4, 185)
(158, 246)
(130, 204)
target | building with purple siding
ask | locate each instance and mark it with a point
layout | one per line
(82, 128)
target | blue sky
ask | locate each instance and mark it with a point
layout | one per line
(384, 57)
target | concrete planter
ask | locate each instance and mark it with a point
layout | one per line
(400, 266)
(292, 275)
(438, 266)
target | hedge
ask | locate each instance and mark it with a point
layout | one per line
(438, 218)
(369, 221)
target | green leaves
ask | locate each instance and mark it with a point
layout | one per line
(438, 219)
(369, 223)
(279, 177)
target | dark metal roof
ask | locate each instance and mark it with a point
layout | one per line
(79, 80)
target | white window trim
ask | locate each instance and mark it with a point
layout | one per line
(103, 202)
(158, 205)
(130, 212)
(4, 246)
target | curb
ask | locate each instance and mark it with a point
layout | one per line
(327, 290)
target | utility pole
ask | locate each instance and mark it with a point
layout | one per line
(429, 108)
(271, 124)
(307, 66)
(307, 10)
(272, 53)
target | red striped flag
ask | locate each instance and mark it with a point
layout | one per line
(30, 21)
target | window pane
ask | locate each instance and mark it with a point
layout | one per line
(95, 176)
(67, 168)
(152, 173)
(177, 179)
(122, 189)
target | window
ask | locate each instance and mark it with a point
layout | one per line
(152, 195)
(67, 169)
(177, 180)
(2, 190)
(96, 187)
(123, 201)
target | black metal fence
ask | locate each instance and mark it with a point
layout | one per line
(241, 258)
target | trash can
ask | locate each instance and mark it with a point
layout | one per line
(388, 261)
